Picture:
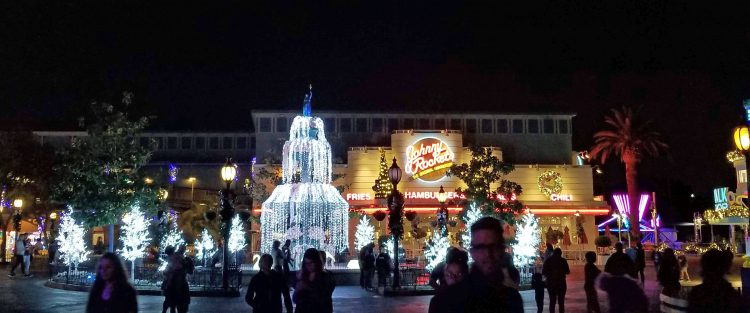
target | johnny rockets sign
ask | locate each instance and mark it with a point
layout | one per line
(428, 159)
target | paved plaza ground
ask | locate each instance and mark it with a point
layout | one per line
(30, 295)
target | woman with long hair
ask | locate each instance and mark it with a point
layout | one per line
(111, 292)
(314, 286)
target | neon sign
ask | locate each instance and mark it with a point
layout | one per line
(430, 195)
(428, 159)
(557, 197)
(358, 196)
(721, 200)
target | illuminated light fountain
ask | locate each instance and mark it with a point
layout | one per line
(306, 208)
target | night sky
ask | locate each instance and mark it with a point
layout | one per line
(201, 67)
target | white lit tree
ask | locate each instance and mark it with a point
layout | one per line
(472, 215)
(365, 233)
(389, 249)
(173, 238)
(135, 237)
(70, 238)
(236, 236)
(437, 249)
(204, 247)
(527, 238)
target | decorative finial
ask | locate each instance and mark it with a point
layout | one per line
(306, 107)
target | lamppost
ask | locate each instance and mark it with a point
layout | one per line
(619, 226)
(192, 189)
(442, 213)
(52, 218)
(742, 143)
(396, 212)
(655, 224)
(228, 173)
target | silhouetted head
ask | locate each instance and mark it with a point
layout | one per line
(668, 252)
(590, 257)
(169, 250)
(287, 243)
(549, 246)
(487, 245)
(715, 264)
(557, 252)
(276, 244)
(265, 262)
(311, 261)
(618, 246)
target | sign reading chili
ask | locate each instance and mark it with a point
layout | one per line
(428, 159)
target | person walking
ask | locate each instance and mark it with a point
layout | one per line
(640, 262)
(456, 269)
(286, 251)
(278, 256)
(484, 289)
(555, 269)
(383, 266)
(175, 286)
(537, 283)
(314, 288)
(267, 289)
(669, 274)
(28, 255)
(368, 266)
(715, 294)
(111, 292)
(591, 272)
(620, 263)
(51, 251)
(20, 250)
(683, 262)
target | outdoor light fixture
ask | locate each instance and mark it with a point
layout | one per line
(394, 173)
(18, 203)
(148, 181)
(163, 194)
(442, 196)
(742, 138)
(228, 172)
(577, 214)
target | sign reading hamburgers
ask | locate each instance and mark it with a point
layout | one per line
(428, 159)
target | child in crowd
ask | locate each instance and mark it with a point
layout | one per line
(590, 273)
(538, 284)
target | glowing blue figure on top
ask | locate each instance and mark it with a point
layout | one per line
(306, 107)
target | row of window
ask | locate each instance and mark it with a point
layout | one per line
(470, 126)
(202, 143)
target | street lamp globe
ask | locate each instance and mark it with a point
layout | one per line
(53, 216)
(228, 171)
(163, 194)
(394, 173)
(742, 138)
(442, 196)
(18, 203)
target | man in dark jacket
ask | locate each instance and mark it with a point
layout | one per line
(555, 269)
(266, 289)
(640, 261)
(484, 290)
(383, 266)
(620, 263)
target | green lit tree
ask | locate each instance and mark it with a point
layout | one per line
(478, 174)
(382, 185)
(99, 174)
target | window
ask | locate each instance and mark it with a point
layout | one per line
(518, 126)
(502, 126)
(549, 126)
(440, 123)
(185, 143)
(392, 124)
(345, 125)
(227, 143)
(200, 143)
(242, 143)
(265, 124)
(377, 125)
(486, 126)
(330, 125)
(159, 142)
(171, 143)
(361, 125)
(213, 143)
(408, 123)
(562, 126)
(533, 126)
(424, 123)
(281, 125)
(252, 142)
(471, 126)
(456, 124)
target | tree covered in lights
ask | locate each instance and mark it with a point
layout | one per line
(365, 233)
(100, 174)
(436, 250)
(383, 184)
(70, 237)
(204, 246)
(470, 216)
(527, 240)
(388, 245)
(173, 237)
(306, 200)
(483, 170)
(134, 236)
(237, 240)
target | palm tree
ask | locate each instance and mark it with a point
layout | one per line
(631, 140)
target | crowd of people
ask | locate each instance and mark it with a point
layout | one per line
(23, 254)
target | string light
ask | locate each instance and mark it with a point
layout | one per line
(436, 250)
(306, 199)
(472, 215)
(135, 237)
(528, 238)
(236, 236)
(204, 246)
(70, 238)
(173, 238)
(365, 233)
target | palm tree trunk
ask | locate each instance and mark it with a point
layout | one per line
(631, 177)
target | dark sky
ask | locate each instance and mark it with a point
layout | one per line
(206, 66)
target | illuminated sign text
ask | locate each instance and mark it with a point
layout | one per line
(428, 159)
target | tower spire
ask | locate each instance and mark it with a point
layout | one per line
(306, 107)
